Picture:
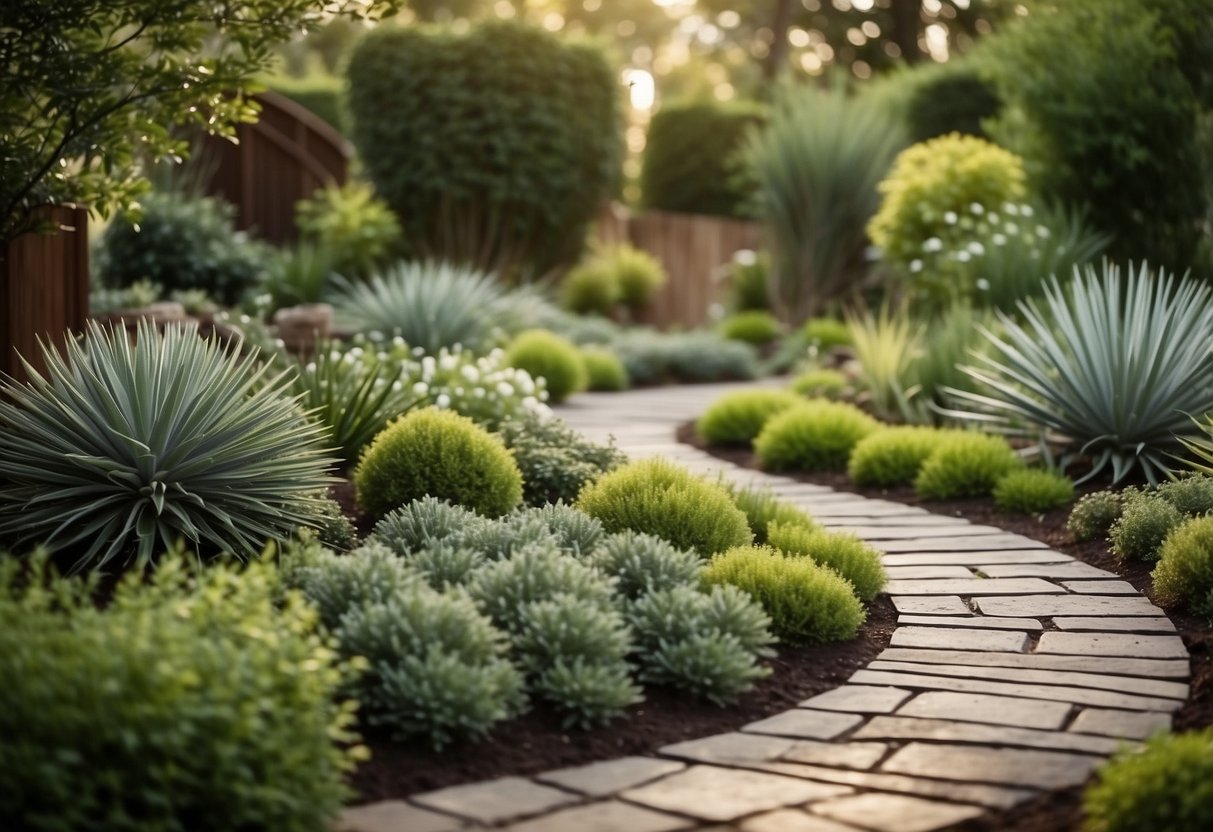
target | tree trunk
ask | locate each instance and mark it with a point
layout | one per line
(907, 22)
(777, 57)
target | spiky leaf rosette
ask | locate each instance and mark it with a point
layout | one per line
(119, 451)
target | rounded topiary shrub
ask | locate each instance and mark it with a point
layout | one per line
(660, 498)
(763, 509)
(1184, 574)
(1033, 491)
(892, 456)
(1168, 785)
(437, 453)
(754, 327)
(546, 355)
(590, 288)
(807, 603)
(1094, 514)
(637, 273)
(846, 554)
(603, 370)
(1143, 525)
(814, 436)
(736, 418)
(820, 384)
(1192, 495)
(642, 563)
(826, 333)
(966, 465)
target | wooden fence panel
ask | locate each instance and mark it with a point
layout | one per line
(43, 288)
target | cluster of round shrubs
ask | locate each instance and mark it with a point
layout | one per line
(755, 327)
(619, 275)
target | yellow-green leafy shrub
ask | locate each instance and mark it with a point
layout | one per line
(762, 509)
(590, 288)
(1143, 525)
(1184, 574)
(1168, 785)
(817, 435)
(546, 355)
(603, 369)
(736, 418)
(892, 456)
(820, 384)
(846, 554)
(826, 333)
(1033, 490)
(753, 327)
(1094, 514)
(967, 465)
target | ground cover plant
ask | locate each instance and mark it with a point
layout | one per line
(736, 418)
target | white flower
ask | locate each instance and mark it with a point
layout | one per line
(447, 362)
(983, 285)
(1042, 232)
(992, 218)
(977, 248)
(397, 386)
(478, 392)
(311, 367)
(280, 344)
(458, 391)
(1026, 210)
(950, 217)
(1010, 208)
(530, 403)
(998, 239)
(398, 341)
(443, 401)
(963, 256)
(977, 208)
(745, 257)
(421, 388)
(244, 319)
(915, 266)
(505, 389)
(418, 352)
(1011, 228)
(933, 244)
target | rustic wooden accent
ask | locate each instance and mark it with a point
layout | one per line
(43, 287)
(283, 157)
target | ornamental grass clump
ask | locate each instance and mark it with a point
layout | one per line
(808, 604)
(736, 418)
(1032, 491)
(1167, 785)
(117, 451)
(642, 563)
(1143, 525)
(817, 435)
(892, 456)
(657, 497)
(1094, 514)
(437, 453)
(846, 554)
(966, 465)
(546, 355)
(1184, 574)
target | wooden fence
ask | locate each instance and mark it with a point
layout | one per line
(693, 248)
(281, 158)
(43, 287)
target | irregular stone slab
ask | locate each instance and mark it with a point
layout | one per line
(977, 560)
(806, 723)
(1100, 587)
(924, 533)
(495, 801)
(859, 699)
(393, 816)
(1042, 606)
(1169, 669)
(931, 604)
(1079, 696)
(918, 520)
(837, 754)
(1072, 570)
(608, 816)
(938, 730)
(993, 710)
(872, 508)
(958, 638)
(610, 776)
(903, 573)
(730, 748)
(974, 587)
(986, 622)
(792, 820)
(1103, 681)
(896, 813)
(1113, 644)
(724, 794)
(1132, 625)
(977, 543)
(1134, 725)
(1005, 766)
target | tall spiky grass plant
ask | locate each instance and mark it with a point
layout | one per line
(888, 346)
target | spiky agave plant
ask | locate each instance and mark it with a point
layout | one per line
(1116, 367)
(120, 451)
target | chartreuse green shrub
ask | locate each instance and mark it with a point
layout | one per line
(151, 713)
(826, 333)
(755, 327)
(119, 451)
(657, 497)
(763, 509)
(556, 461)
(546, 355)
(1167, 785)
(643, 563)
(887, 347)
(820, 384)
(817, 435)
(736, 418)
(603, 370)
(1143, 525)
(1184, 574)
(1033, 490)
(1191, 494)
(966, 465)
(846, 554)
(638, 274)
(590, 288)
(437, 453)
(807, 603)
(892, 456)
(1094, 514)
(747, 281)
(352, 224)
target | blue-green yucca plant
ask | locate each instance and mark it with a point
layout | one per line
(1115, 366)
(119, 451)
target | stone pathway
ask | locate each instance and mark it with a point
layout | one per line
(1013, 669)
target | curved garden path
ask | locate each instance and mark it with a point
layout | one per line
(1013, 669)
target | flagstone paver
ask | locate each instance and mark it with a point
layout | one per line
(1013, 669)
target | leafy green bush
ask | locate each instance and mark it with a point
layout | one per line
(1094, 514)
(807, 603)
(317, 92)
(305, 273)
(762, 509)
(337, 584)
(151, 712)
(119, 450)
(1168, 785)
(423, 522)
(656, 497)
(1192, 495)
(575, 531)
(655, 358)
(351, 223)
(603, 369)
(817, 435)
(754, 327)
(965, 465)
(495, 146)
(1143, 525)
(826, 333)
(642, 563)
(639, 274)
(747, 281)
(546, 355)
(846, 554)
(893, 456)
(589, 694)
(437, 453)
(1032, 491)
(590, 288)
(505, 588)
(180, 242)
(556, 461)
(444, 565)
(820, 384)
(1184, 574)
(736, 418)
(693, 160)
(510, 534)
(953, 97)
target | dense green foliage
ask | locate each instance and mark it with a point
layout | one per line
(353, 225)
(819, 384)
(319, 93)
(1168, 785)
(763, 509)
(657, 358)
(603, 370)
(556, 462)
(1032, 491)
(1143, 525)
(1184, 574)
(965, 465)
(826, 333)
(546, 355)
(846, 554)
(755, 327)
(642, 563)
(747, 281)
(1094, 514)
(953, 97)
(1192, 495)
(736, 418)
(815, 436)
(892, 456)
(590, 288)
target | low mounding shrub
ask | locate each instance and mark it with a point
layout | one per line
(807, 603)
(575, 531)
(423, 522)
(754, 327)
(1168, 785)
(763, 509)
(546, 355)
(949, 98)
(892, 456)
(966, 465)
(736, 418)
(503, 589)
(441, 454)
(1143, 525)
(1192, 495)
(1033, 491)
(1094, 514)
(152, 712)
(642, 563)
(655, 358)
(656, 497)
(1184, 574)
(337, 584)
(817, 435)
(353, 225)
(826, 333)
(556, 461)
(590, 288)
(637, 273)
(747, 281)
(604, 370)
(820, 384)
(846, 554)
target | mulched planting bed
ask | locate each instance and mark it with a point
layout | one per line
(1059, 810)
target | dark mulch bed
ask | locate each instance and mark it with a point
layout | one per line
(1059, 810)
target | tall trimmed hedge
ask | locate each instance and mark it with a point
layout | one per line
(692, 162)
(494, 146)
